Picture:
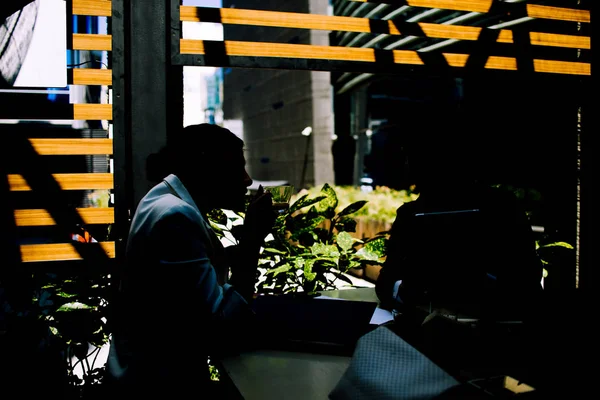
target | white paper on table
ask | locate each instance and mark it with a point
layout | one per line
(322, 297)
(381, 316)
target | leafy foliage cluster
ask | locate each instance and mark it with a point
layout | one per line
(302, 255)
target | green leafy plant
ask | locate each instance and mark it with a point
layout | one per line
(551, 253)
(381, 205)
(75, 309)
(311, 247)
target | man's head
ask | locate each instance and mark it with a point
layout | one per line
(210, 162)
(440, 150)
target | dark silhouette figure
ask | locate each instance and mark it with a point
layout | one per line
(462, 245)
(343, 151)
(175, 307)
(385, 163)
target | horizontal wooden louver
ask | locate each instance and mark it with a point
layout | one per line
(40, 217)
(484, 6)
(61, 251)
(17, 183)
(89, 147)
(98, 8)
(62, 147)
(92, 112)
(352, 24)
(84, 41)
(257, 49)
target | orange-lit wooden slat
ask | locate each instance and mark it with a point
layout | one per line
(483, 6)
(59, 251)
(281, 50)
(98, 8)
(66, 147)
(510, 64)
(84, 41)
(505, 36)
(557, 13)
(17, 183)
(92, 112)
(41, 217)
(91, 76)
(235, 16)
(550, 39)
(259, 49)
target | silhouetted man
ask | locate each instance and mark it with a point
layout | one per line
(174, 307)
(461, 245)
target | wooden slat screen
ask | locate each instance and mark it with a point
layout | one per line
(84, 41)
(98, 8)
(484, 6)
(235, 16)
(40, 217)
(91, 76)
(63, 147)
(259, 18)
(83, 181)
(60, 251)
(92, 112)
(257, 49)
(85, 74)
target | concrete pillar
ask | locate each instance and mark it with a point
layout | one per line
(155, 90)
(322, 108)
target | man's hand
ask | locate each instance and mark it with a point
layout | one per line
(258, 223)
(260, 217)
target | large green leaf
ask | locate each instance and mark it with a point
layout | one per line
(217, 216)
(559, 244)
(303, 202)
(377, 246)
(328, 250)
(217, 229)
(272, 250)
(74, 307)
(345, 241)
(65, 295)
(329, 203)
(367, 254)
(345, 224)
(352, 208)
(308, 274)
(279, 270)
(302, 223)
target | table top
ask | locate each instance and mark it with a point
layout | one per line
(274, 374)
(357, 294)
(294, 356)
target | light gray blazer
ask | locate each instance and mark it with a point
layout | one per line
(169, 289)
